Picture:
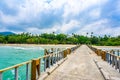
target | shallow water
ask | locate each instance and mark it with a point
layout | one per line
(116, 52)
(11, 55)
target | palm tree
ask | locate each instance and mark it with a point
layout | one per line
(53, 32)
(87, 34)
(91, 34)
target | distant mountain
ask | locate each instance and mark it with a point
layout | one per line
(6, 33)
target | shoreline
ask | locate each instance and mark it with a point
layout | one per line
(39, 45)
(111, 47)
(53, 45)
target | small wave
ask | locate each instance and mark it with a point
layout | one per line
(19, 48)
(13, 72)
(28, 48)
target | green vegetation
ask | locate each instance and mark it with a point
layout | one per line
(52, 38)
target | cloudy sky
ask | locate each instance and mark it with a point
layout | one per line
(61, 16)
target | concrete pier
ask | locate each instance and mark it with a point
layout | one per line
(80, 65)
(84, 64)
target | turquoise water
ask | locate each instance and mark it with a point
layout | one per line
(11, 55)
(114, 49)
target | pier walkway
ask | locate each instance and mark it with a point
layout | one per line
(80, 62)
(84, 64)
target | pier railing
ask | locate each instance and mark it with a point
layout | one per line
(111, 56)
(33, 66)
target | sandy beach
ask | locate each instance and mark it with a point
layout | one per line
(41, 45)
(105, 47)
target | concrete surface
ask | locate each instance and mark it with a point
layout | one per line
(107, 70)
(78, 66)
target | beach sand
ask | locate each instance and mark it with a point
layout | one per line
(110, 47)
(41, 45)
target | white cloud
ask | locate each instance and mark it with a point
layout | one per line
(26, 11)
(74, 7)
(65, 27)
(96, 27)
(57, 4)
(7, 19)
(95, 13)
(35, 30)
(100, 27)
(30, 11)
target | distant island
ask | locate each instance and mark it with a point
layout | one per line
(6, 33)
(52, 38)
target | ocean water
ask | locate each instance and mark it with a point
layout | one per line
(11, 55)
(114, 49)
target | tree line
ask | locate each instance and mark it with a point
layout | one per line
(52, 38)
